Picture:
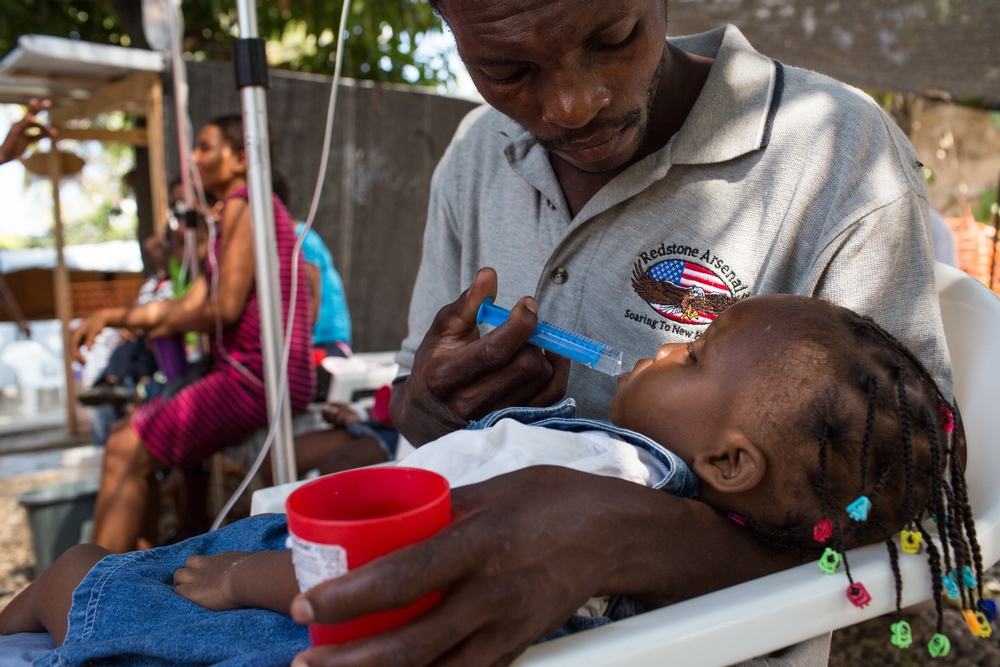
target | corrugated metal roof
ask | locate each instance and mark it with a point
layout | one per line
(113, 256)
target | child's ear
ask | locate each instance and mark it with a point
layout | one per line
(734, 465)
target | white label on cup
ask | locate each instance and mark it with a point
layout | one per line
(316, 563)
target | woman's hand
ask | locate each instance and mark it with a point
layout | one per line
(208, 580)
(25, 132)
(84, 335)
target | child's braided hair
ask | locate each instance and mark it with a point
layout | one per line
(884, 473)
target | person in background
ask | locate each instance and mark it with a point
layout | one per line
(225, 402)
(26, 131)
(332, 331)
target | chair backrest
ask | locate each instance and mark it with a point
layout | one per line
(766, 614)
(33, 364)
(971, 316)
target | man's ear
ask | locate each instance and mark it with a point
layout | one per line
(734, 465)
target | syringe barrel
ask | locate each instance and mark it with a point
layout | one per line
(550, 337)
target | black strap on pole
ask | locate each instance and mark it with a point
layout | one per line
(191, 219)
(250, 62)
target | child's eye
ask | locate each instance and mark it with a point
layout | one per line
(690, 347)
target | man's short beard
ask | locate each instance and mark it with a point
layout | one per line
(634, 117)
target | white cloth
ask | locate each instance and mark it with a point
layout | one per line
(467, 457)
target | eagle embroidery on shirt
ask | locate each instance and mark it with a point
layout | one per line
(682, 291)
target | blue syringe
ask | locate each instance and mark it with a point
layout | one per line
(547, 336)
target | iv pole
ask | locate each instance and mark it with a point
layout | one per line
(250, 63)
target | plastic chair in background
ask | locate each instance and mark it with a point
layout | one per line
(8, 334)
(36, 369)
(49, 334)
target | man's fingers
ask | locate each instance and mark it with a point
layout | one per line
(472, 362)
(555, 388)
(458, 319)
(516, 383)
(417, 644)
(389, 582)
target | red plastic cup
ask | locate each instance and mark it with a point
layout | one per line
(370, 512)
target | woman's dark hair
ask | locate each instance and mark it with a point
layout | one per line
(886, 459)
(231, 127)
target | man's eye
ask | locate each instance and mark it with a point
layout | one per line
(621, 43)
(501, 75)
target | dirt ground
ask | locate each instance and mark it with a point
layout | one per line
(864, 645)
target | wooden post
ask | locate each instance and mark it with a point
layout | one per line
(157, 155)
(61, 283)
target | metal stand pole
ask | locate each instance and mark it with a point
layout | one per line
(251, 79)
(184, 132)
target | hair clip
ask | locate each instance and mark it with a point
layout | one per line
(910, 539)
(978, 625)
(901, 634)
(858, 510)
(822, 530)
(830, 561)
(950, 586)
(968, 579)
(989, 609)
(939, 646)
(947, 419)
(858, 595)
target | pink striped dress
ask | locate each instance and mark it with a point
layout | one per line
(224, 407)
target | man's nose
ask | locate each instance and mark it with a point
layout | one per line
(571, 99)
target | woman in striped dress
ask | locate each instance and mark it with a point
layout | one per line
(227, 404)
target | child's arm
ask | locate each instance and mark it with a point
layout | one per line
(238, 579)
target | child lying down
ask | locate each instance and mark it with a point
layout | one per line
(803, 422)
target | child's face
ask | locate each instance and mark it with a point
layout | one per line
(688, 397)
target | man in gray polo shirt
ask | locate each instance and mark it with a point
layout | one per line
(609, 173)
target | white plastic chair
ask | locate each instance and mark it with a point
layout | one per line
(364, 371)
(36, 369)
(766, 614)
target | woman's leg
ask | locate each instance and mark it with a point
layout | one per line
(126, 502)
(44, 605)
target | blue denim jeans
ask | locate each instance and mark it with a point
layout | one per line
(125, 611)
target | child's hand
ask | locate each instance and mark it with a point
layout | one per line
(208, 580)
(340, 414)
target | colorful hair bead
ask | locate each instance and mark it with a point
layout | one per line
(736, 518)
(911, 539)
(858, 595)
(984, 625)
(830, 561)
(968, 579)
(901, 634)
(858, 510)
(939, 646)
(978, 625)
(989, 609)
(947, 419)
(822, 530)
(950, 586)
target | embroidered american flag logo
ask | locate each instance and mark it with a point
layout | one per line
(682, 291)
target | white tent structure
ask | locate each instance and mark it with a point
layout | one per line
(84, 80)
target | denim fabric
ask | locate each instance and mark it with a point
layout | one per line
(387, 438)
(125, 611)
(679, 480)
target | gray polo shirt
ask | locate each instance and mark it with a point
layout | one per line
(780, 180)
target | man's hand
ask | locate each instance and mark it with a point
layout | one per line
(458, 376)
(25, 132)
(208, 580)
(515, 564)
